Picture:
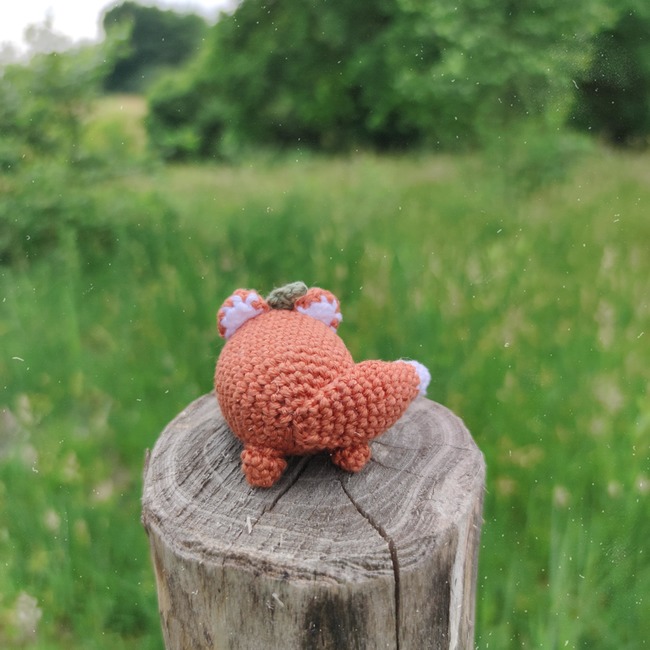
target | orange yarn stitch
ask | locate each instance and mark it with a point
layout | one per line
(287, 385)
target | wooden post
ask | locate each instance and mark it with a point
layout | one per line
(386, 558)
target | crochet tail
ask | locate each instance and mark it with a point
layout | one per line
(357, 406)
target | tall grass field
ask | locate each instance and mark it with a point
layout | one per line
(531, 309)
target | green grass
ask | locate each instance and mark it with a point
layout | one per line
(532, 312)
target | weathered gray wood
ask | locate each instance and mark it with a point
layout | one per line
(386, 558)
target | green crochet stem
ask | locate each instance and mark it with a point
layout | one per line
(284, 297)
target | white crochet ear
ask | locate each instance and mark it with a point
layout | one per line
(238, 309)
(321, 305)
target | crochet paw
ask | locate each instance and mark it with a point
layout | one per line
(321, 305)
(237, 309)
(262, 467)
(351, 459)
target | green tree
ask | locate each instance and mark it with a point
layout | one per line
(375, 73)
(613, 99)
(153, 39)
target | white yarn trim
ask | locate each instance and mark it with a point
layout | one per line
(240, 312)
(324, 311)
(423, 374)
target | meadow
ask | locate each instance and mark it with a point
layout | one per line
(530, 304)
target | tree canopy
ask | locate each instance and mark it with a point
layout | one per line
(613, 98)
(376, 73)
(153, 39)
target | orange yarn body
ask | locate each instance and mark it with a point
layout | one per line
(287, 385)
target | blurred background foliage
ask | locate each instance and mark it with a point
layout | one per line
(394, 74)
(153, 40)
(480, 166)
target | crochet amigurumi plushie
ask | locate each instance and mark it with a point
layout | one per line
(287, 385)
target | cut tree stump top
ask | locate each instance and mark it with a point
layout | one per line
(419, 498)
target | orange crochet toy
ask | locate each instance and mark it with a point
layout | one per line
(287, 385)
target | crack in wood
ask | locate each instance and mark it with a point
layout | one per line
(392, 549)
(431, 447)
(392, 445)
(395, 469)
(301, 470)
(250, 523)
